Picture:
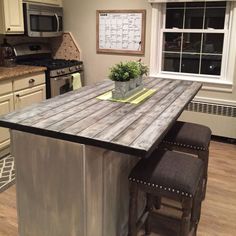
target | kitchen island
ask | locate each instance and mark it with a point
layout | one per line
(74, 153)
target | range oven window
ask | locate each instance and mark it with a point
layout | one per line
(40, 23)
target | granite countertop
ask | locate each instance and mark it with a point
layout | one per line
(79, 116)
(9, 72)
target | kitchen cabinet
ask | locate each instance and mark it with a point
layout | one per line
(6, 106)
(17, 93)
(53, 2)
(11, 17)
(27, 97)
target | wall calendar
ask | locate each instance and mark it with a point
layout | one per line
(121, 31)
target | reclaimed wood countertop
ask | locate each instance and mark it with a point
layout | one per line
(19, 70)
(78, 116)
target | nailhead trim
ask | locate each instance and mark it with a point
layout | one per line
(161, 187)
(185, 145)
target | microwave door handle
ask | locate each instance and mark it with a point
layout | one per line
(57, 18)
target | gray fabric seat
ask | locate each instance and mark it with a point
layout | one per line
(190, 138)
(173, 175)
(189, 135)
(171, 171)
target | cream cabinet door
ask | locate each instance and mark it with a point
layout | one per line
(13, 12)
(6, 106)
(27, 97)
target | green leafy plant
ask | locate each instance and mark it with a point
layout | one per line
(134, 69)
(124, 71)
(143, 68)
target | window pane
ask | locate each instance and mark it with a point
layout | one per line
(194, 18)
(174, 18)
(211, 64)
(172, 42)
(190, 63)
(171, 62)
(215, 18)
(195, 4)
(216, 4)
(175, 5)
(192, 42)
(213, 43)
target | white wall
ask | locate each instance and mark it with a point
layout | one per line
(80, 19)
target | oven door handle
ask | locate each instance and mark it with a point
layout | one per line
(63, 77)
(57, 18)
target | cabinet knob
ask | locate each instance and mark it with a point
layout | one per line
(31, 81)
(17, 95)
(8, 29)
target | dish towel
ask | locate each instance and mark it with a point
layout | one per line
(76, 81)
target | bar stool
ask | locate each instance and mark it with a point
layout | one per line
(190, 138)
(172, 175)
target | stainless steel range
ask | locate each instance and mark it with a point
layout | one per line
(60, 73)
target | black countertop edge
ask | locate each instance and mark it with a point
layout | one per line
(74, 138)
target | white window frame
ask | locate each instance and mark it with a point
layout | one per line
(229, 48)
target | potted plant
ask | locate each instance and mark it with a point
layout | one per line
(134, 72)
(125, 74)
(143, 71)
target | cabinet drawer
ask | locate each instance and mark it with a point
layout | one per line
(5, 86)
(29, 96)
(28, 81)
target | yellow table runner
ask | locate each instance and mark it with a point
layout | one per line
(134, 99)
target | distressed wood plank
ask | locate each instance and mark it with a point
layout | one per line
(95, 113)
(49, 104)
(80, 117)
(48, 202)
(137, 128)
(85, 118)
(111, 132)
(84, 102)
(117, 115)
(159, 126)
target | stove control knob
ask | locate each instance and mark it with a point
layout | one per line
(62, 71)
(71, 69)
(58, 72)
(77, 67)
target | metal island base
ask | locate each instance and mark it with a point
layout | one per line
(70, 189)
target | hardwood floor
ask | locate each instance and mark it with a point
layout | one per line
(218, 210)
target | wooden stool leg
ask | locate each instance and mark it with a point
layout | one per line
(186, 216)
(157, 202)
(204, 156)
(149, 209)
(133, 213)
(196, 209)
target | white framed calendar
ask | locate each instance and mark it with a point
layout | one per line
(121, 31)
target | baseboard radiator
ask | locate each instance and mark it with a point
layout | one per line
(219, 117)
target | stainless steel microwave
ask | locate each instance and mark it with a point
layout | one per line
(43, 20)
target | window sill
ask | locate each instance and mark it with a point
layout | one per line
(217, 85)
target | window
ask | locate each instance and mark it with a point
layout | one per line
(192, 39)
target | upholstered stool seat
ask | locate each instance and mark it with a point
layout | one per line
(172, 175)
(190, 138)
